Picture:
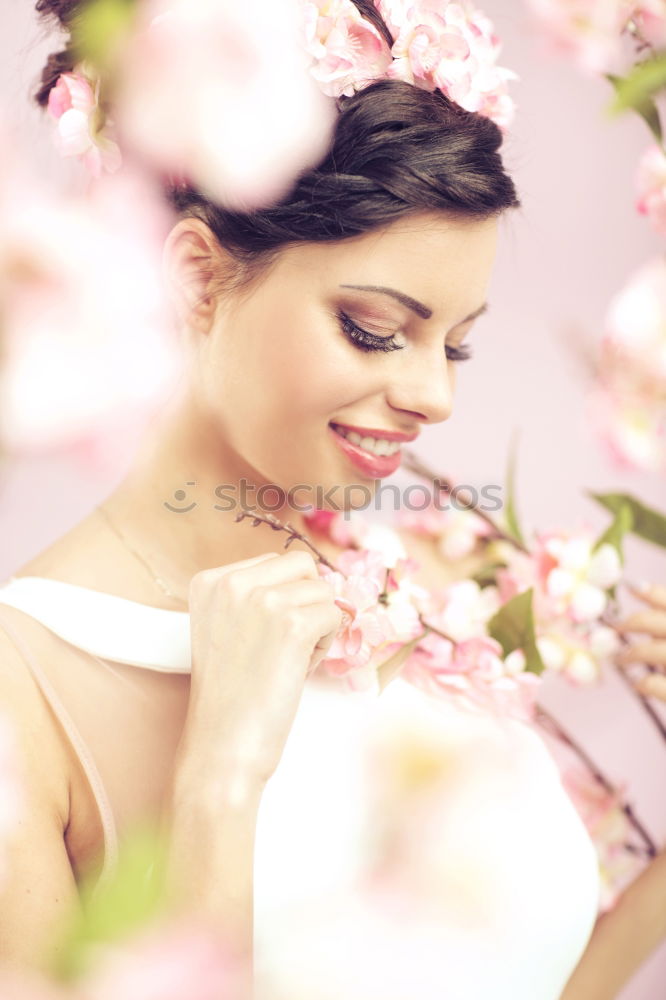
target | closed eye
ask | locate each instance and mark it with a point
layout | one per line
(367, 341)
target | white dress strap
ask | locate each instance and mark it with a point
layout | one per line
(108, 626)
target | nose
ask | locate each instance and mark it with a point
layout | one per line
(423, 386)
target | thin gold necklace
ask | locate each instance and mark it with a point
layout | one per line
(141, 558)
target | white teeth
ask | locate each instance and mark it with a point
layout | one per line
(377, 446)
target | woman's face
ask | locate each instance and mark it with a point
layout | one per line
(287, 361)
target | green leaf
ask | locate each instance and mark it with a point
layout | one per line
(614, 535)
(100, 27)
(129, 901)
(513, 627)
(637, 89)
(617, 529)
(648, 523)
(486, 576)
(510, 508)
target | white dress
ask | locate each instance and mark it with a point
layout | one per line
(501, 877)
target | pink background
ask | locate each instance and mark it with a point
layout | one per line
(576, 241)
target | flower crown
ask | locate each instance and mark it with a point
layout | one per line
(437, 45)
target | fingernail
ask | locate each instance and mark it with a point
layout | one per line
(641, 587)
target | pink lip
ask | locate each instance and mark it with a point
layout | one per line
(373, 466)
(378, 432)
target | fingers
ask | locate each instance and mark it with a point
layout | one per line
(653, 686)
(651, 651)
(653, 594)
(653, 622)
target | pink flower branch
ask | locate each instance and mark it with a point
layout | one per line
(550, 724)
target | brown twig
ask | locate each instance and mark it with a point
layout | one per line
(551, 724)
(414, 464)
(293, 533)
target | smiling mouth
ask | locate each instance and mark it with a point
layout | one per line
(373, 446)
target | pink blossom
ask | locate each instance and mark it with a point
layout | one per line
(82, 128)
(649, 17)
(346, 49)
(331, 523)
(573, 576)
(650, 182)
(465, 608)
(589, 31)
(219, 93)
(474, 674)
(457, 531)
(632, 430)
(451, 47)
(609, 828)
(371, 628)
(580, 652)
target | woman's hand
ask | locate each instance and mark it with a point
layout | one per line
(259, 627)
(651, 650)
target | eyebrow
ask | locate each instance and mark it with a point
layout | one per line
(413, 304)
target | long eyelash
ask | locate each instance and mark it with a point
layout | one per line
(366, 341)
(462, 353)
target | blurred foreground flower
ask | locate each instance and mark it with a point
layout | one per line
(609, 829)
(88, 343)
(218, 93)
(627, 405)
(593, 31)
(182, 959)
(650, 182)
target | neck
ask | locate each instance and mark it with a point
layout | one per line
(178, 504)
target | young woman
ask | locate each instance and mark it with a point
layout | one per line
(344, 308)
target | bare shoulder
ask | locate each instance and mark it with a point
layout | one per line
(38, 890)
(40, 750)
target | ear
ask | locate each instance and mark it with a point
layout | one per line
(192, 258)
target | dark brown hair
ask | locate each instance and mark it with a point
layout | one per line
(396, 150)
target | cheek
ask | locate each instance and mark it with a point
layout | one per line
(306, 369)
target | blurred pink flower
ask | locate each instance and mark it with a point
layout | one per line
(650, 182)
(590, 31)
(632, 430)
(627, 403)
(90, 346)
(609, 829)
(347, 50)
(580, 653)
(185, 958)
(82, 127)
(452, 47)
(457, 531)
(635, 324)
(650, 19)
(219, 93)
